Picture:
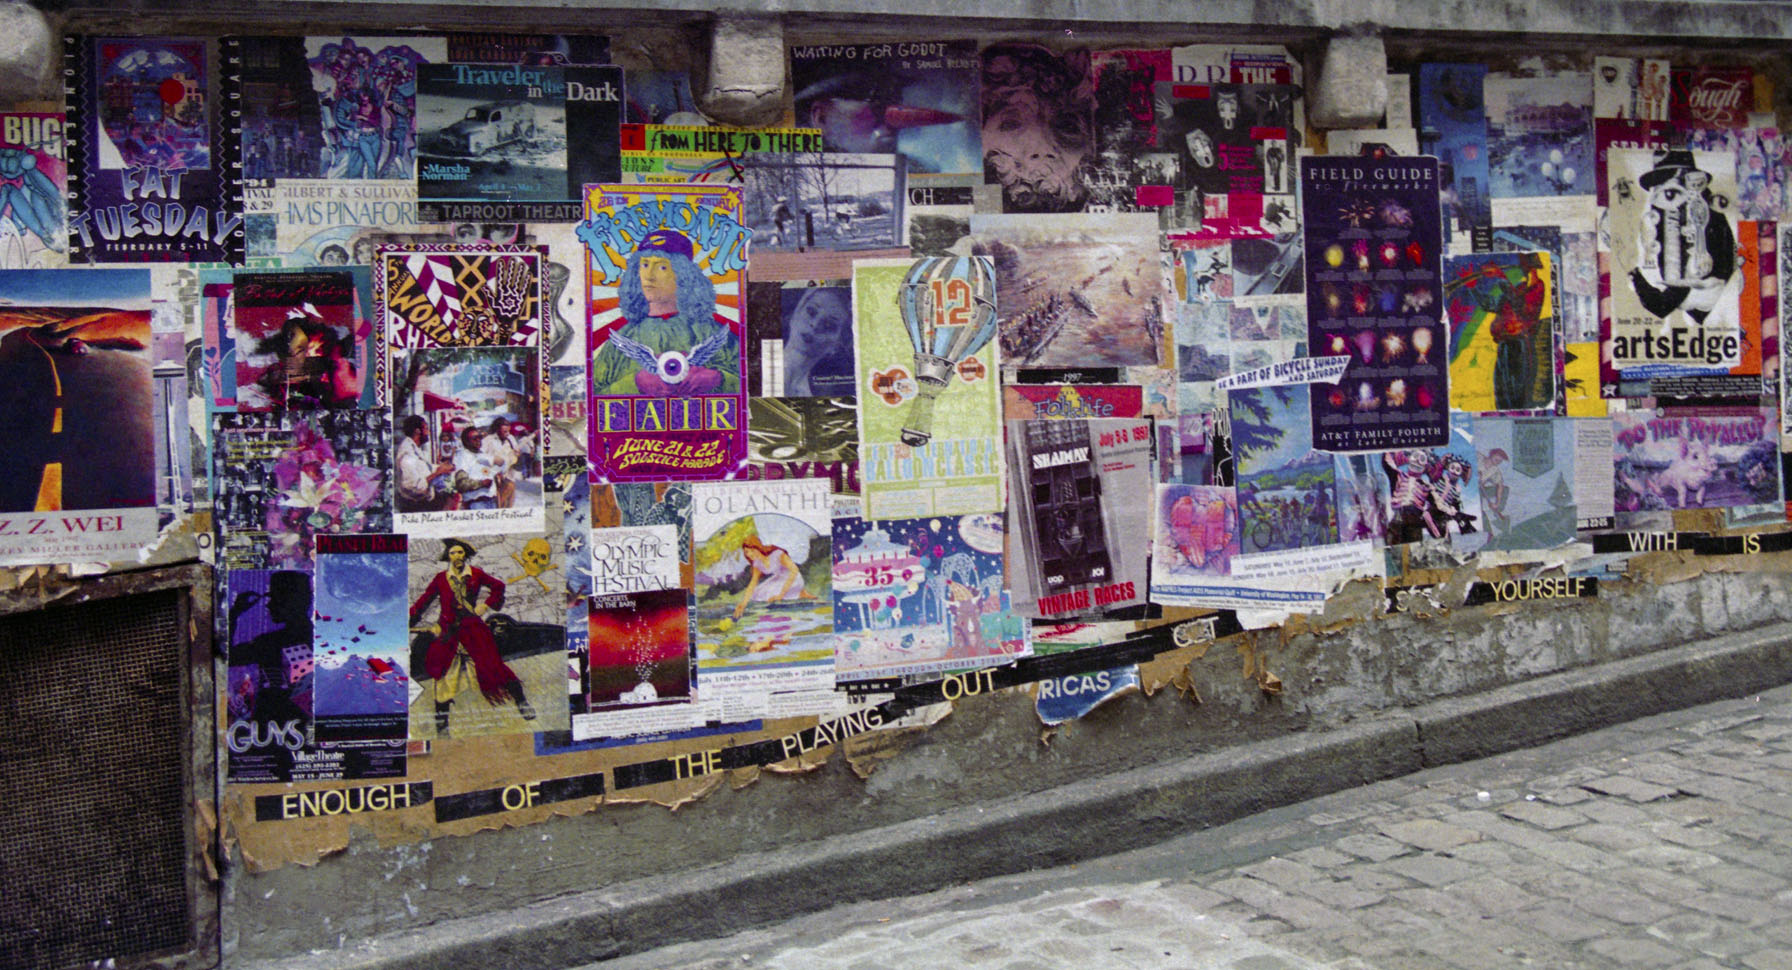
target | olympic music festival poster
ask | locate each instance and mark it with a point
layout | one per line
(666, 325)
(1374, 247)
(929, 403)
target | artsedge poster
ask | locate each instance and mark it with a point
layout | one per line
(665, 328)
(79, 481)
(1374, 279)
(929, 402)
(1676, 272)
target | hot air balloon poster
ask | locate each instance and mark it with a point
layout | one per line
(930, 438)
(664, 267)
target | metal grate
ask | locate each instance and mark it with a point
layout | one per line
(92, 819)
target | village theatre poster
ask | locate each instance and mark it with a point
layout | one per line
(668, 385)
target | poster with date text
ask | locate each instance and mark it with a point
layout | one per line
(1373, 285)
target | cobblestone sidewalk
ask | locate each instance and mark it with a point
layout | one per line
(1662, 844)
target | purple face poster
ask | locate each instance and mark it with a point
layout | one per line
(1373, 241)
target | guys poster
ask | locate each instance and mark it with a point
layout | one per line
(1374, 278)
(665, 269)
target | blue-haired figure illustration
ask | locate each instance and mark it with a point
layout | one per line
(673, 342)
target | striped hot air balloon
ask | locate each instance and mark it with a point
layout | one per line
(948, 304)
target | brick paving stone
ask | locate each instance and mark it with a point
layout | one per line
(1581, 858)
(1488, 853)
(1564, 796)
(1630, 951)
(1492, 825)
(1627, 786)
(1548, 817)
(1613, 811)
(1454, 909)
(1691, 836)
(1702, 963)
(1494, 895)
(1745, 880)
(1668, 887)
(1282, 873)
(1321, 857)
(1375, 848)
(1731, 906)
(1374, 880)
(1770, 959)
(1612, 838)
(1429, 834)
(1432, 870)
(1624, 907)
(1780, 805)
(1193, 897)
(1670, 858)
(1552, 922)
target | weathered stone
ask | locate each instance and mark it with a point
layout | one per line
(27, 54)
(1352, 88)
(746, 70)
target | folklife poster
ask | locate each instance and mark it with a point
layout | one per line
(79, 482)
(929, 406)
(665, 269)
(1374, 282)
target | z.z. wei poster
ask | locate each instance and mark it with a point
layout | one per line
(1373, 290)
(668, 388)
(79, 422)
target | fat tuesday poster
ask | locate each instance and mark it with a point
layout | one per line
(665, 270)
(147, 178)
(929, 401)
(1374, 288)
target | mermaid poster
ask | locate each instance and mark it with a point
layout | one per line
(668, 389)
(762, 552)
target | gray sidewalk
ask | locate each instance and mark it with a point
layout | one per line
(1661, 843)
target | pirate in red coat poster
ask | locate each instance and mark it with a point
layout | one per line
(464, 650)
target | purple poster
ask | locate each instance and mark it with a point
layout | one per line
(145, 178)
(1373, 241)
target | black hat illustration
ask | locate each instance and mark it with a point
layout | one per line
(1669, 166)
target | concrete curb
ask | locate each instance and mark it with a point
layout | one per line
(1112, 813)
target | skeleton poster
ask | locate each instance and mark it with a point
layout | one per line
(1676, 275)
(665, 270)
(929, 402)
(1374, 279)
